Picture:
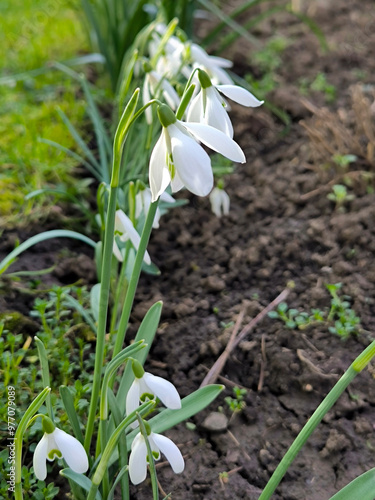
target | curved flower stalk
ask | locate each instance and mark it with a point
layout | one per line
(126, 231)
(148, 386)
(159, 444)
(208, 106)
(220, 202)
(143, 202)
(57, 443)
(178, 159)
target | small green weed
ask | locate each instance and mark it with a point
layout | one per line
(319, 84)
(237, 403)
(267, 60)
(340, 318)
(340, 196)
(67, 341)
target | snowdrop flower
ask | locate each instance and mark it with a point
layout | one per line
(147, 386)
(153, 83)
(171, 61)
(143, 202)
(209, 106)
(57, 443)
(220, 202)
(177, 158)
(159, 444)
(126, 231)
(213, 65)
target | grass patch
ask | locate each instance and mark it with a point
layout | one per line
(33, 33)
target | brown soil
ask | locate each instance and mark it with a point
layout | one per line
(281, 228)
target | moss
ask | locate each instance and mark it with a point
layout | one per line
(16, 323)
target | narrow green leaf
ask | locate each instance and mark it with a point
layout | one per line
(192, 404)
(118, 477)
(82, 311)
(94, 300)
(68, 403)
(73, 154)
(38, 238)
(82, 481)
(80, 142)
(361, 488)
(43, 358)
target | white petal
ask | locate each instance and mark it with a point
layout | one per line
(116, 252)
(167, 198)
(146, 98)
(72, 451)
(132, 398)
(176, 183)
(220, 202)
(159, 175)
(221, 76)
(220, 61)
(217, 140)
(192, 163)
(170, 450)
(215, 113)
(240, 95)
(225, 201)
(195, 110)
(170, 95)
(164, 390)
(137, 460)
(40, 458)
(198, 54)
(125, 225)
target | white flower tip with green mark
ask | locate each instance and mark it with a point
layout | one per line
(159, 444)
(61, 445)
(150, 386)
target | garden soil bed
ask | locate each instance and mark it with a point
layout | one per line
(281, 229)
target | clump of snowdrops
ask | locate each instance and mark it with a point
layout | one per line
(121, 437)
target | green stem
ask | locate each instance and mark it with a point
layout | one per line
(134, 279)
(22, 426)
(356, 367)
(103, 312)
(112, 442)
(119, 285)
(151, 461)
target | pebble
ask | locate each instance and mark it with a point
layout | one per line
(215, 422)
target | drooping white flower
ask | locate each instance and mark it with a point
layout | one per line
(159, 444)
(209, 105)
(148, 386)
(171, 62)
(177, 158)
(220, 202)
(143, 202)
(61, 445)
(153, 84)
(213, 65)
(125, 230)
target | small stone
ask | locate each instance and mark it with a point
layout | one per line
(265, 457)
(214, 284)
(215, 422)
